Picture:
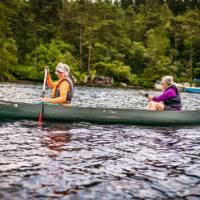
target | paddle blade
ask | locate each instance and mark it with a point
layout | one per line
(40, 118)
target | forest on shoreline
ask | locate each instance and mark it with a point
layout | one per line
(133, 41)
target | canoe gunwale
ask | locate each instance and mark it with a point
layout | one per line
(58, 113)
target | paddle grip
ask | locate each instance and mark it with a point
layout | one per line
(144, 94)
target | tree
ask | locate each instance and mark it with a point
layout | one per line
(51, 54)
(46, 17)
(7, 45)
(137, 57)
(191, 30)
(126, 3)
(181, 6)
(158, 46)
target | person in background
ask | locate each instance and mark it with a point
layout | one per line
(170, 98)
(62, 90)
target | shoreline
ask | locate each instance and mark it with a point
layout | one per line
(117, 85)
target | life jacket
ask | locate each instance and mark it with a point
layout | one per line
(173, 101)
(56, 90)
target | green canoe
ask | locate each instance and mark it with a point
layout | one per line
(57, 113)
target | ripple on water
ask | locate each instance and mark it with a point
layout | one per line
(85, 161)
(91, 96)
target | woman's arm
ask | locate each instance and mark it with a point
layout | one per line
(164, 96)
(50, 83)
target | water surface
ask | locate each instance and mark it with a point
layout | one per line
(88, 161)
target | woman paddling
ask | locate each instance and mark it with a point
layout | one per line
(170, 99)
(62, 90)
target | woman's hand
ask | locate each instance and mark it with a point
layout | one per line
(150, 98)
(46, 99)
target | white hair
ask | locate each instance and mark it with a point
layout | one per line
(168, 80)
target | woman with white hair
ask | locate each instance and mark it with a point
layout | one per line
(62, 90)
(170, 99)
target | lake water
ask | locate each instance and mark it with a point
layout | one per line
(89, 161)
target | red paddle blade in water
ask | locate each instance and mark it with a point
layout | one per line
(40, 118)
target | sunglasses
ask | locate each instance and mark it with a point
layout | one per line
(57, 72)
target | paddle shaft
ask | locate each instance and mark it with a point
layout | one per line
(143, 94)
(43, 92)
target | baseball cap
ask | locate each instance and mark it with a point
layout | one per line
(62, 67)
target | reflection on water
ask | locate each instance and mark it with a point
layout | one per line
(57, 138)
(85, 161)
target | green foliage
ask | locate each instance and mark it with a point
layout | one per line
(154, 72)
(7, 57)
(137, 56)
(157, 43)
(6, 76)
(4, 24)
(46, 18)
(80, 76)
(197, 72)
(50, 55)
(7, 45)
(124, 39)
(116, 69)
(191, 32)
(22, 72)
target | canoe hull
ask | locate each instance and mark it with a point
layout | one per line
(56, 113)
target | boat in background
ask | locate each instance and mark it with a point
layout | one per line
(58, 113)
(193, 89)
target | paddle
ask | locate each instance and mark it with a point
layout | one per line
(43, 92)
(143, 94)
